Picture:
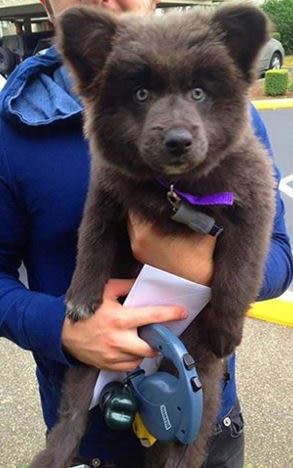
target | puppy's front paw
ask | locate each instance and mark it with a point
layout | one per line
(81, 302)
(79, 312)
(219, 334)
(222, 342)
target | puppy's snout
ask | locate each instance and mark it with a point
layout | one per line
(178, 141)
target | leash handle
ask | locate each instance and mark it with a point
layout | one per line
(170, 407)
(171, 347)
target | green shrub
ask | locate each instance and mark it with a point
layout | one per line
(281, 14)
(276, 82)
(290, 87)
(276, 35)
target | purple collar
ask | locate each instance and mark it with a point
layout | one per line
(220, 198)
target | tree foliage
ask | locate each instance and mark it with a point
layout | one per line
(281, 14)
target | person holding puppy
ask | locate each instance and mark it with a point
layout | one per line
(44, 179)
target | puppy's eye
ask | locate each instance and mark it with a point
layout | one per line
(141, 95)
(198, 94)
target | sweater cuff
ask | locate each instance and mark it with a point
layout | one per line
(43, 328)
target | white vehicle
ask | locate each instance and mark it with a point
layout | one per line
(272, 56)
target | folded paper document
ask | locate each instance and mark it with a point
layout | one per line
(157, 287)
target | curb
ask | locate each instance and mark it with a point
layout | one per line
(273, 104)
(278, 311)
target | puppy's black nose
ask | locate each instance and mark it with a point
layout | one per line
(178, 140)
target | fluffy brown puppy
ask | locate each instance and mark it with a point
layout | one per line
(166, 98)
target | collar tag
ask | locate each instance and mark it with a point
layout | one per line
(173, 198)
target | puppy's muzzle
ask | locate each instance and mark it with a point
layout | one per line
(178, 141)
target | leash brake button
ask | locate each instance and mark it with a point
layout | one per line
(195, 383)
(188, 361)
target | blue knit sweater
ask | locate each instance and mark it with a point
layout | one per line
(44, 172)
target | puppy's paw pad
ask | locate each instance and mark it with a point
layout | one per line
(78, 312)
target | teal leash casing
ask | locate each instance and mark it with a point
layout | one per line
(169, 406)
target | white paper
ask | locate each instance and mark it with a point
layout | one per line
(157, 287)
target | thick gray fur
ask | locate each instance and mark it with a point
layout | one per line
(172, 58)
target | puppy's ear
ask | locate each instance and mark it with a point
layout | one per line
(245, 30)
(84, 37)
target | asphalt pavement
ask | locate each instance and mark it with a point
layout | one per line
(265, 388)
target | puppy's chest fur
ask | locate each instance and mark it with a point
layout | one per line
(247, 174)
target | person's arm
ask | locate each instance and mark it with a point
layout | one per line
(32, 320)
(279, 263)
(35, 321)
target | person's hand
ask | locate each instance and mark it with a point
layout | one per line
(189, 256)
(109, 339)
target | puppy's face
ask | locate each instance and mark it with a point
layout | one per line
(164, 96)
(167, 111)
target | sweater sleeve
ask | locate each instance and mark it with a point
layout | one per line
(32, 320)
(279, 264)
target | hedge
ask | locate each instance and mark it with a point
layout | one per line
(276, 82)
(290, 87)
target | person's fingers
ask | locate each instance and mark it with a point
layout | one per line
(118, 287)
(137, 347)
(119, 358)
(136, 219)
(138, 316)
(137, 226)
(128, 366)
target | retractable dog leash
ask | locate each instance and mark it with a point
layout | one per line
(170, 407)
